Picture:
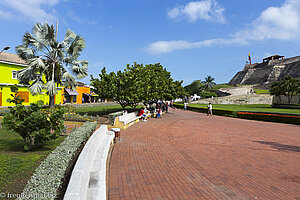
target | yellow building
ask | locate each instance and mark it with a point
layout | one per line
(10, 64)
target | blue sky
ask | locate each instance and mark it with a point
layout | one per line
(192, 39)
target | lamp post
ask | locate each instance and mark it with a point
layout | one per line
(5, 49)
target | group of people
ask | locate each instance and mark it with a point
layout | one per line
(158, 110)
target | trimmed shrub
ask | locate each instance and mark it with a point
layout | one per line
(287, 106)
(49, 175)
(80, 118)
(270, 117)
(228, 113)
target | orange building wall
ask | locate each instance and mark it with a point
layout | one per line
(81, 90)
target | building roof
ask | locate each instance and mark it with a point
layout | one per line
(274, 57)
(71, 92)
(11, 58)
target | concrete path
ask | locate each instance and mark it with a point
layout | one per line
(237, 91)
(188, 155)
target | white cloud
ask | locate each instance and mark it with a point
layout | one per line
(281, 23)
(79, 20)
(6, 15)
(30, 9)
(168, 46)
(209, 10)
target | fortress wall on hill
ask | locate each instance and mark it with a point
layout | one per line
(266, 73)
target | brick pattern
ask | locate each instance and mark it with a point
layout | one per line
(187, 155)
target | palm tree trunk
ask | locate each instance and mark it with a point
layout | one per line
(51, 101)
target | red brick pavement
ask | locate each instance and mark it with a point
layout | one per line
(188, 155)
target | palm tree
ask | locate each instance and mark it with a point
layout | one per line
(46, 56)
(277, 89)
(290, 86)
(209, 83)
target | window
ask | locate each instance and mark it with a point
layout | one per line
(14, 74)
(23, 95)
(74, 99)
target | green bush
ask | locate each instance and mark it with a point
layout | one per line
(270, 117)
(34, 125)
(49, 176)
(80, 118)
(205, 94)
(286, 106)
(260, 91)
(204, 110)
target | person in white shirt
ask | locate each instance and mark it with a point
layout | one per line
(185, 105)
(209, 109)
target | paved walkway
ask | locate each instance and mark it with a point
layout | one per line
(188, 155)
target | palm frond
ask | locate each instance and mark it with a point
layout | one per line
(80, 68)
(26, 74)
(36, 87)
(45, 34)
(77, 45)
(38, 62)
(69, 37)
(25, 52)
(51, 88)
(69, 80)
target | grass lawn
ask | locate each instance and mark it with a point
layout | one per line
(251, 107)
(260, 91)
(17, 166)
(103, 110)
(219, 86)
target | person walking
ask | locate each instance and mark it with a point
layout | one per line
(209, 109)
(185, 105)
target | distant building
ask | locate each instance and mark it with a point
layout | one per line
(274, 57)
(10, 64)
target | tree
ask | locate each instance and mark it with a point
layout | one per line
(138, 83)
(288, 87)
(105, 86)
(46, 56)
(195, 87)
(277, 89)
(209, 83)
(33, 124)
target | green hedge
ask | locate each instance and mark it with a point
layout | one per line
(48, 178)
(270, 117)
(287, 106)
(261, 116)
(227, 113)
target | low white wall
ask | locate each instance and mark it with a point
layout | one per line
(88, 179)
(239, 100)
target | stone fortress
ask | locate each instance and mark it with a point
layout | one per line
(258, 75)
(272, 69)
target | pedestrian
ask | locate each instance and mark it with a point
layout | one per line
(185, 105)
(167, 106)
(209, 109)
(158, 114)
